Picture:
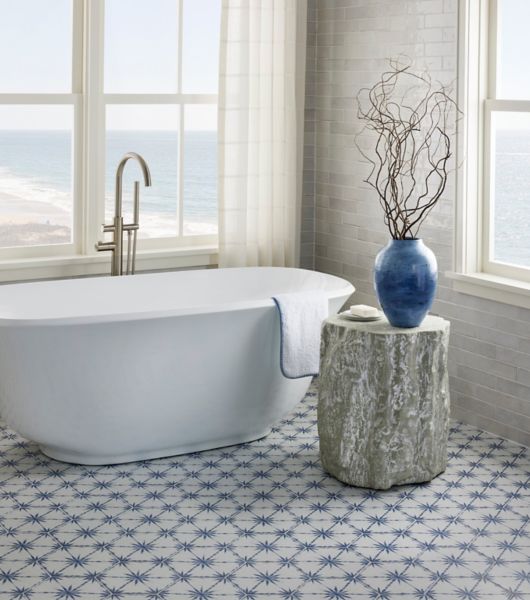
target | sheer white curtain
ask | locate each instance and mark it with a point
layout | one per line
(261, 116)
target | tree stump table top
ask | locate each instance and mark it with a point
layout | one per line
(383, 405)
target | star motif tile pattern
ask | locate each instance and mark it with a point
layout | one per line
(262, 520)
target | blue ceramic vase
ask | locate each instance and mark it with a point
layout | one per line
(405, 276)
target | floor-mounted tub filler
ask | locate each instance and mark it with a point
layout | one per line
(116, 369)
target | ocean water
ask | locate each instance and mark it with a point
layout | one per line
(511, 203)
(36, 166)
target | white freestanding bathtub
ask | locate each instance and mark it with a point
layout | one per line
(116, 369)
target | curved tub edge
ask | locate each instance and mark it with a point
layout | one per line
(84, 459)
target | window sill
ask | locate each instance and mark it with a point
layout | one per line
(99, 264)
(492, 287)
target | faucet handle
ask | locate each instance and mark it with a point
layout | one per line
(107, 228)
(104, 246)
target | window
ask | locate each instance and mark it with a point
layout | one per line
(84, 81)
(507, 142)
(493, 208)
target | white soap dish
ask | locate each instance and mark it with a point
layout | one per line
(347, 315)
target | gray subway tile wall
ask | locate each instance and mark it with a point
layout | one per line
(349, 42)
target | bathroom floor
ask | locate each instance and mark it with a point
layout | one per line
(263, 520)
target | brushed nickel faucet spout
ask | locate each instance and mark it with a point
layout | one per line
(119, 176)
(118, 227)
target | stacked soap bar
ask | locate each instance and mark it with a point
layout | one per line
(363, 311)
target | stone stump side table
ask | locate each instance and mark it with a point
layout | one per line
(383, 401)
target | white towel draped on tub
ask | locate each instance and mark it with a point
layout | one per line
(301, 316)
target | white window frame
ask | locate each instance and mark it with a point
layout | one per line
(474, 272)
(89, 103)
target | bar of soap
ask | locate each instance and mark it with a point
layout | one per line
(364, 311)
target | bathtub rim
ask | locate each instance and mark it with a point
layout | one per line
(13, 321)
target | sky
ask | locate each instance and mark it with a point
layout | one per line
(513, 74)
(141, 39)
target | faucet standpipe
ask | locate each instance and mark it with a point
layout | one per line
(118, 226)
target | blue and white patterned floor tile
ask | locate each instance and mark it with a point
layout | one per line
(262, 520)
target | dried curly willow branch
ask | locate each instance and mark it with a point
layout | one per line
(410, 119)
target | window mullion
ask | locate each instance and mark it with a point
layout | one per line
(130, 98)
(78, 129)
(78, 36)
(492, 57)
(37, 98)
(487, 189)
(507, 105)
(485, 235)
(180, 173)
(94, 125)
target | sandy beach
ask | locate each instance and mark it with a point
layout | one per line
(34, 222)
